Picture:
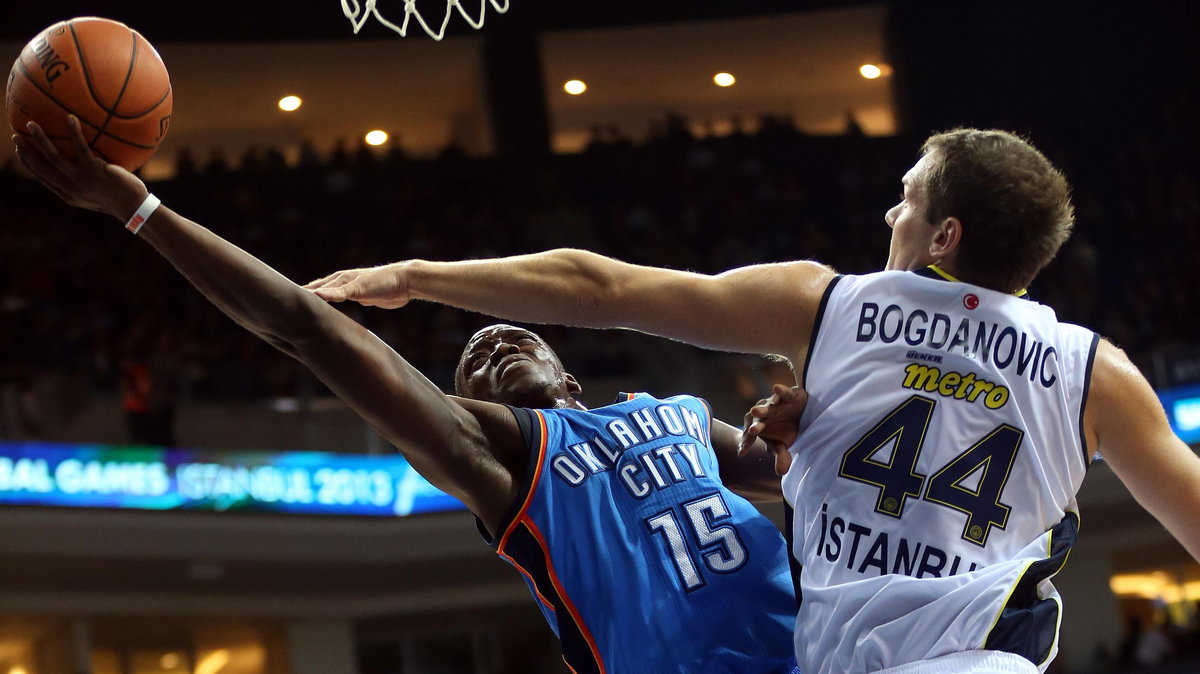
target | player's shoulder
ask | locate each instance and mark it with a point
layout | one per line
(1115, 381)
(795, 276)
(1112, 363)
(497, 429)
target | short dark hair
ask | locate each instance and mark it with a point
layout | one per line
(1015, 206)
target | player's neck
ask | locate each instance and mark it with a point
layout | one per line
(945, 272)
(570, 403)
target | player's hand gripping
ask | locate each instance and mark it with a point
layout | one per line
(385, 286)
(86, 180)
(776, 420)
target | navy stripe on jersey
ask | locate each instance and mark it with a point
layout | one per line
(525, 548)
(1087, 384)
(531, 432)
(812, 342)
(1028, 626)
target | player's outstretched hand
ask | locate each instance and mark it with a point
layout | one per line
(776, 420)
(385, 286)
(86, 180)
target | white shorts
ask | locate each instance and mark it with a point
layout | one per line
(968, 662)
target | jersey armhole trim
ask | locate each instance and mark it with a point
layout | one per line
(580, 624)
(1087, 383)
(812, 342)
(533, 428)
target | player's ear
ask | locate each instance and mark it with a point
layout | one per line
(946, 239)
(573, 386)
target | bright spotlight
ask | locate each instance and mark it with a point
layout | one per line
(724, 79)
(213, 662)
(870, 71)
(290, 103)
(574, 87)
(376, 137)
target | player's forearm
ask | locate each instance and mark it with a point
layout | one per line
(564, 286)
(246, 289)
(752, 475)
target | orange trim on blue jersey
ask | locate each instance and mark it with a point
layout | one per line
(537, 591)
(562, 594)
(630, 396)
(537, 476)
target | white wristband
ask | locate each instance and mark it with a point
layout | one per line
(143, 213)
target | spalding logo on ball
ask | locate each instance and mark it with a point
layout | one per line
(103, 72)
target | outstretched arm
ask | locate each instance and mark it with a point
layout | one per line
(466, 448)
(1125, 420)
(767, 308)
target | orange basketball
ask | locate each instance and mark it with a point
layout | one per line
(105, 73)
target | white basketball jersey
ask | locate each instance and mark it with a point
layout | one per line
(934, 482)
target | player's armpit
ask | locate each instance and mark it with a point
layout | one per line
(469, 449)
(1127, 421)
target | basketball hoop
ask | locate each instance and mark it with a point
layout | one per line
(360, 14)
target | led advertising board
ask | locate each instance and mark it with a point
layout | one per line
(1183, 411)
(156, 478)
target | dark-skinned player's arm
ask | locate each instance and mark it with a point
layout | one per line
(753, 458)
(469, 449)
(765, 308)
(749, 473)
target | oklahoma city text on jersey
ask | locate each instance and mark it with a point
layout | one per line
(657, 468)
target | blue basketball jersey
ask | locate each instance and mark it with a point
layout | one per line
(637, 554)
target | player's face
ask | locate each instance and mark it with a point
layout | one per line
(511, 365)
(912, 233)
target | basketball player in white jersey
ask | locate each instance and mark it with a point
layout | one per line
(950, 420)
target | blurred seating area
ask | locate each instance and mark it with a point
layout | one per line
(80, 298)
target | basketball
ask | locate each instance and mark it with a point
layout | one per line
(103, 72)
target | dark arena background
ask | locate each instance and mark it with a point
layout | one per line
(116, 378)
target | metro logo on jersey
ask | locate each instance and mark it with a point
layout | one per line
(970, 386)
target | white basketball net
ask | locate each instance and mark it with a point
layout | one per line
(360, 14)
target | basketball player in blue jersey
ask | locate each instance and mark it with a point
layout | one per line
(950, 420)
(619, 519)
